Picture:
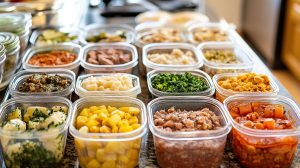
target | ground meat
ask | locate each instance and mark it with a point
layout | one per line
(178, 120)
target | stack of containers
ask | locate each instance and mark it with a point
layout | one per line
(2, 60)
(12, 45)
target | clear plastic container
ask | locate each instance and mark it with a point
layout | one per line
(2, 60)
(120, 68)
(46, 147)
(197, 149)
(153, 16)
(70, 31)
(245, 64)
(22, 75)
(222, 26)
(168, 47)
(222, 94)
(96, 29)
(156, 93)
(108, 149)
(74, 48)
(12, 45)
(132, 92)
(264, 148)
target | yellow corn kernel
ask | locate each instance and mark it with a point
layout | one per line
(132, 164)
(134, 111)
(92, 122)
(133, 120)
(93, 164)
(123, 159)
(109, 164)
(92, 117)
(110, 157)
(80, 121)
(133, 154)
(125, 109)
(111, 109)
(119, 112)
(84, 129)
(115, 119)
(93, 108)
(127, 116)
(105, 129)
(124, 122)
(100, 155)
(84, 112)
(94, 129)
(101, 111)
(84, 160)
(101, 117)
(79, 144)
(112, 147)
(105, 122)
(125, 129)
(135, 126)
(102, 107)
(60, 108)
(114, 129)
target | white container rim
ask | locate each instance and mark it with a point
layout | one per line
(224, 46)
(118, 67)
(45, 48)
(18, 77)
(215, 79)
(81, 92)
(191, 135)
(209, 92)
(37, 134)
(101, 100)
(185, 46)
(263, 98)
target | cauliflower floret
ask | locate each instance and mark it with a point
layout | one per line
(15, 125)
(14, 148)
(55, 119)
(33, 125)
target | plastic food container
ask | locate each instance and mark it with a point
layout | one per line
(186, 18)
(70, 31)
(152, 16)
(96, 29)
(21, 76)
(222, 94)
(210, 26)
(261, 148)
(47, 147)
(2, 60)
(245, 64)
(156, 93)
(189, 149)
(74, 48)
(117, 146)
(168, 47)
(133, 92)
(120, 68)
(12, 45)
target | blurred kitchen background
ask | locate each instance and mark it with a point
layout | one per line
(271, 27)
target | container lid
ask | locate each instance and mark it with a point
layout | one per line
(292, 112)
(188, 103)
(35, 101)
(112, 101)
(118, 67)
(170, 46)
(22, 75)
(226, 92)
(14, 20)
(208, 92)
(134, 91)
(2, 50)
(10, 41)
(244, 58)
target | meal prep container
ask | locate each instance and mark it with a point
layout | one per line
(265, 148)
(12, 45)
(246, 62)
(198, 149)
(22, 75)
(209, 25)
(153, 16)
(156, 93)
(167, 47)
(53, 141)
(119, 68)
(74, 48)
(222, 94)
(133, 92)
(71, 31)
(96, 29)
(126, 145)
(2, 60)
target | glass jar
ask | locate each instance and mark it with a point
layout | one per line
(2, 60)
(11, 43)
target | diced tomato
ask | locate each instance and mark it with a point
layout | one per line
(245, 109)
(279, 111)
(234, 114)
(255, 105)
(248, 124)
(269, 111)
(259, 126)
(269, 123)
